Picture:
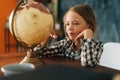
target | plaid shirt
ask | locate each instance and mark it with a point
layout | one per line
(89, 53)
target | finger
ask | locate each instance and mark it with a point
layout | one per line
(78, 37)
(53, 35)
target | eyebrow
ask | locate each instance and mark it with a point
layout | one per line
(73, 20)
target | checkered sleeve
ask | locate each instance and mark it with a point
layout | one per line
(91, 52)
(53, 50)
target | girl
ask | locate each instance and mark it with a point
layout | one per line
(79, 44)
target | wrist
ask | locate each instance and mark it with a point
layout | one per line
(88, 34)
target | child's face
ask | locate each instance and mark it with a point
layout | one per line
(74, 24)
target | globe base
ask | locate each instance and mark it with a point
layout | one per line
(32, 58)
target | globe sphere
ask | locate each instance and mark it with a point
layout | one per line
(31, 24)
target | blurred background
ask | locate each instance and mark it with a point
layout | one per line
(107, 15)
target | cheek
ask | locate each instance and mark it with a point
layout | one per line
(82, 28)
(78, 30)
(66, 30)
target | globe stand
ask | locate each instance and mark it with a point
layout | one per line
(33, 58)
(31, 23)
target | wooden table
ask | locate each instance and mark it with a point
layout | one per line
(17, 57)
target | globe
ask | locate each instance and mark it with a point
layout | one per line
(31, 24)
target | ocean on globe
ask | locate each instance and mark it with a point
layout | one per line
(31, 24)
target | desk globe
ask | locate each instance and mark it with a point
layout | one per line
(31, 24)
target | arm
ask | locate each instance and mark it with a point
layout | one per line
(91, 49)
(91, 52)
(55, 49)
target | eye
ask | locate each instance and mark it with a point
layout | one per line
(67, 24)
(75, 23)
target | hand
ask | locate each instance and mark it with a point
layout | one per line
(86, 34)
(53, 35)
(41, 45)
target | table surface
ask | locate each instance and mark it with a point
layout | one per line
(17, 57)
